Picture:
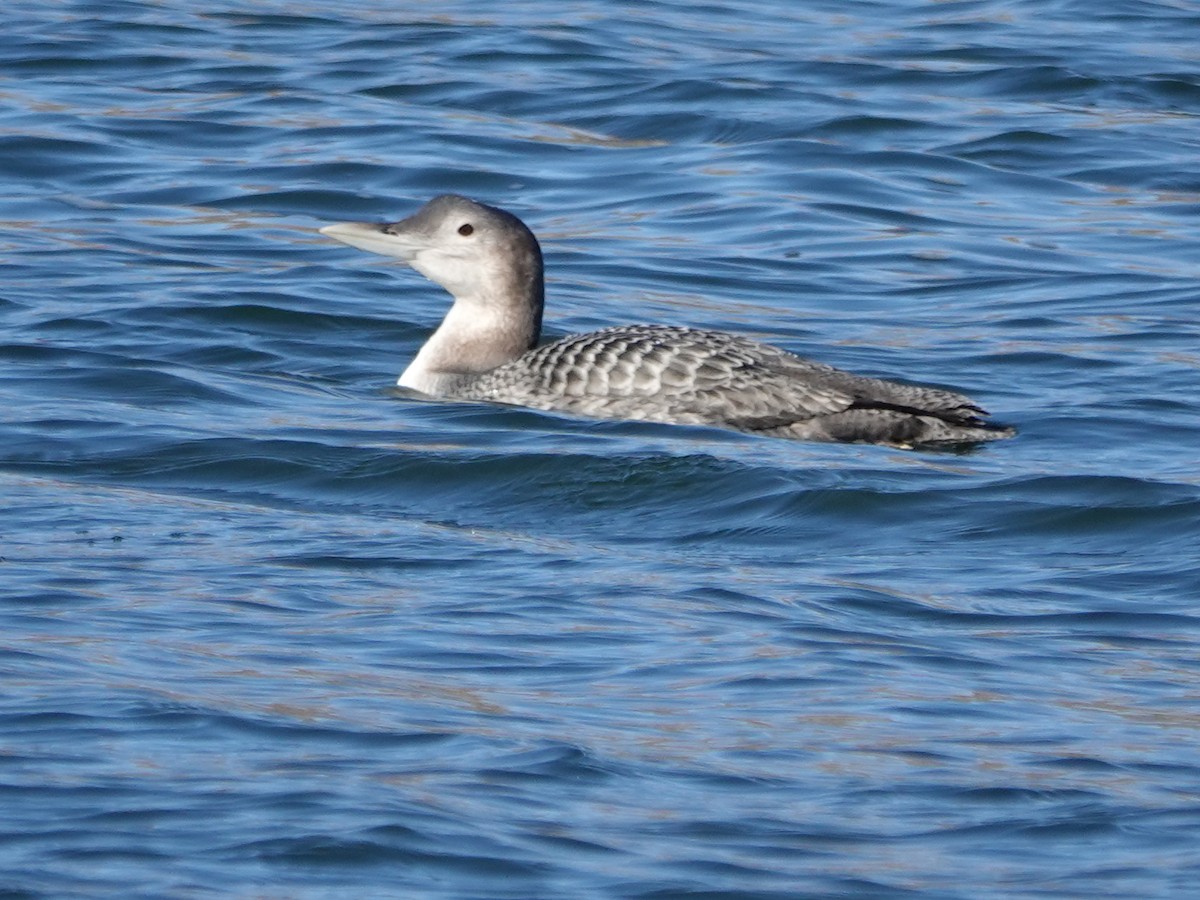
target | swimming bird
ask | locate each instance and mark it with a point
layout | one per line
(486, 349)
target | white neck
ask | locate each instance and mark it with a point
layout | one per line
(476, 336)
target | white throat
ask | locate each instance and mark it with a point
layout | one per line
(475, 337)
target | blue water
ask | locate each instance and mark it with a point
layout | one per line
(270, 630)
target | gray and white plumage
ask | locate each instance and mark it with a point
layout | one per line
(487, 349)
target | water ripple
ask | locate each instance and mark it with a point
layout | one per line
(269, 621)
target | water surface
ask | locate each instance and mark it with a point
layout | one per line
(269, 629)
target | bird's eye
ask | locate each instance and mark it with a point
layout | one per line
(466, 229)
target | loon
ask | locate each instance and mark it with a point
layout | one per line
(486, 349)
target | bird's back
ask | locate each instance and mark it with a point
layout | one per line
(691, 376)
